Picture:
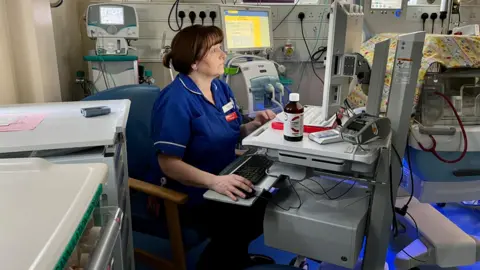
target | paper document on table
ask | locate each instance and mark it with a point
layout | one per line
(9, 123)
(312, 116)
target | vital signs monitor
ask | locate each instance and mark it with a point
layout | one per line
(246, 28)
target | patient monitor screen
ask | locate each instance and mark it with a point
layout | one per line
(111, 15)
(386, 4)
(247, 29)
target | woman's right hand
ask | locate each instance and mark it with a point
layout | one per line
(231, 185)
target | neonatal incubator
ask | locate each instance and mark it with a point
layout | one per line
(444, 150)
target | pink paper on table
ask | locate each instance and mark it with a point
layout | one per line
(22, 122)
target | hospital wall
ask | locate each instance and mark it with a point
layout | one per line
(153, 15)
(41, 50)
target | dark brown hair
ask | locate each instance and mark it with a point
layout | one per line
(191, 44)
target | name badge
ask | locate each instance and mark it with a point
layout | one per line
(231, 117)
(227, 107)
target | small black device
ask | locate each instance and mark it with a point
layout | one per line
(95, 111)
(254, 169)
(249, 195)
(363, 128)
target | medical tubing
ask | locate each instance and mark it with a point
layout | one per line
(464, 134)
(171, 74)
(286, 94)
(278, 104)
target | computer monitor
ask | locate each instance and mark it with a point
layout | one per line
(345, 36)
(386, 4)
(246, 28)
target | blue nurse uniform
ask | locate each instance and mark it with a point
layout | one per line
(186, 125)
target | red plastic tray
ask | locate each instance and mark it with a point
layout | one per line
(306, 129)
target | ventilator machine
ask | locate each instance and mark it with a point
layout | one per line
(112, 63)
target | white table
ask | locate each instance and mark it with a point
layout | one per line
(64, 126)
(59, 137)
(41, 209)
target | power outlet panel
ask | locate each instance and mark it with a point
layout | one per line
(414, 13)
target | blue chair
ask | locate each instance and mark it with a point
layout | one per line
(141, 153)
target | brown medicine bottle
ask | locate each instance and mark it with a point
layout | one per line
(293, 124)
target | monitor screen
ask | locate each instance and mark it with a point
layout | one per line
(247, 29)
(386, 4)
(111, 15)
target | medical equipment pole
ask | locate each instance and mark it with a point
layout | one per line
(377, 78)
(404, 80)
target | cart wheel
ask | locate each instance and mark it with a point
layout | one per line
(441, 205)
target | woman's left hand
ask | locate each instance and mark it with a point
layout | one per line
(260, 119)
(263, 117)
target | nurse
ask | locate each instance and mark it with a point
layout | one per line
(196, 125)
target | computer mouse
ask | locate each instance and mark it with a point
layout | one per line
(249, 195)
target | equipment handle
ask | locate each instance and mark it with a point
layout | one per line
(103, 252)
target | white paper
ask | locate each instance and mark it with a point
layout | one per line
(7, 120)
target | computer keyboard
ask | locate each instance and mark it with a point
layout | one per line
(254, 169)
(312, 116)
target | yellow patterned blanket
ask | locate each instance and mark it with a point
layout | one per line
(450, 51)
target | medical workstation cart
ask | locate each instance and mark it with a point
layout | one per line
(333, 231)
(65, 137)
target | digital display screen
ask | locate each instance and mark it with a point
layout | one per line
(356, 125)
(247, 29)
(111, 15)
(386, 4)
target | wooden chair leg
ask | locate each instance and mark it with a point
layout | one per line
(175, 233)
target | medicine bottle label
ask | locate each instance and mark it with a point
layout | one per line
(293, 125)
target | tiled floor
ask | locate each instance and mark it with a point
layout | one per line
(466, 219)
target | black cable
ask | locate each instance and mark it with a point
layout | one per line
(349, 107)
(281, 207)
(176, 15)
(412, 188)
(309, 53)
(418, 236)
(392, 204)
(424, 18)
(319, 52)
(202, 16)
(213, 16)
(433, 17)
(443, 16)
(174, 7)
(325, 192)
(192, 16)
(286, 16)
(401, 164)
(181, 15)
